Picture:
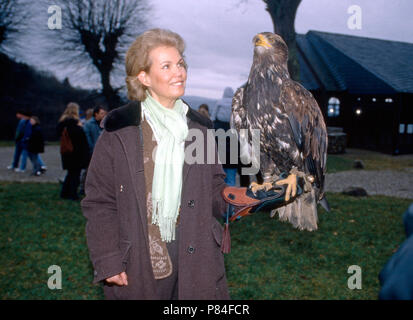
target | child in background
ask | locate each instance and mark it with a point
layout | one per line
(36, 146)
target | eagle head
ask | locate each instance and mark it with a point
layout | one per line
(270, 45)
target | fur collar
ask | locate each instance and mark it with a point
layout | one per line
(130, 115)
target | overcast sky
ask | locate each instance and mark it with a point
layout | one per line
(219, 33)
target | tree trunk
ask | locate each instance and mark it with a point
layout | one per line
(108, 92)
(2, 34)
(283, 14)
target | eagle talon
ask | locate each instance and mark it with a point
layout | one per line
(256, 187)
(291, 190)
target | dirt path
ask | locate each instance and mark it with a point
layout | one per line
(386, 182)
(51, 158)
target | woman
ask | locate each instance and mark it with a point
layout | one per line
(36, 146)
(172, 251)
(77, 159)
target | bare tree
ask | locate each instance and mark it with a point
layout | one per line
(12, 19)
(283, 14)
(95, 33)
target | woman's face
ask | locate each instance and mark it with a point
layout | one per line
(166, 78)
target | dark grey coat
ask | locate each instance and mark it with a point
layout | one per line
(115, 209)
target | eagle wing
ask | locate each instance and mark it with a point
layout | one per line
(238, 119)
(308, 128)
(240, 124)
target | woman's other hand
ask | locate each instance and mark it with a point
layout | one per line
(120, 279)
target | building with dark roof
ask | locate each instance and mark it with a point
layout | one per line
(363, 85)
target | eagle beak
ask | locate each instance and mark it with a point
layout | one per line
(261, 41)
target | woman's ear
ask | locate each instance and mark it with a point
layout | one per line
(144, 79)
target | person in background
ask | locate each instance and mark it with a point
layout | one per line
(88, 114)
(36, 146)
(82, 117)
(24, 145)
(223, 108)
(92, 127)
(204, 110)
(92, 130)
(23, 117)
(221, 116)
(76, 160)
(35, 120)
(396, 277)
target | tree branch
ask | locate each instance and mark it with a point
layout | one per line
(95, 33)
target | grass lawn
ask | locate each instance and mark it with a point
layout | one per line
(272, 260)
(269, 259)
(372, 161)
(39, 230)
(7, 143)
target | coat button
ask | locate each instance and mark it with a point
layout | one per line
(191, 249)
(191, 203)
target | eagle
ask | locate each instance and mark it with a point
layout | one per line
(292, 132)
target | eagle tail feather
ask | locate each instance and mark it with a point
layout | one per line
(324, 204)
(302, 213)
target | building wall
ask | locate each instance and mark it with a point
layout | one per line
(369, 124)
(405, 125)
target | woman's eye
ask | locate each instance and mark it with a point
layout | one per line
(166, 66)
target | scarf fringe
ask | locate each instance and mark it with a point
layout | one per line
(166, 224)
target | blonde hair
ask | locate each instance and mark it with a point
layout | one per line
(71, 111)
(137, 57)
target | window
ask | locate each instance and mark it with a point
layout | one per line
(401, 128)
(410, 128)
(333, 109)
